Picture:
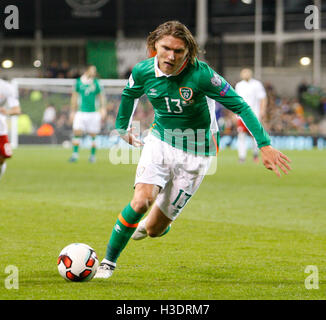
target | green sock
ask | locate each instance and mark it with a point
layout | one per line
(93, 148)
(75, 144)
(122, 231)
(75, 148)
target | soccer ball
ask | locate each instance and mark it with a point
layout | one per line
(77, 262)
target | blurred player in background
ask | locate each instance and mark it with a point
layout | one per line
(87, 108)
(9, 106)
(253, 92)
(182, 90)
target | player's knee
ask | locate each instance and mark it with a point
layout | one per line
(144, 197)
(142, 204)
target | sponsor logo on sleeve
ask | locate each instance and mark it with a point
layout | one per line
(216, 80)
(225, 90)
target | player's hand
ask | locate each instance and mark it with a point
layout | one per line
(275, 160)
(132, 139)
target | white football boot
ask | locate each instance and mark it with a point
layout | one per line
(105, 270)
(140, 232)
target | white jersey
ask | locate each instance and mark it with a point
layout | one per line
(8, 99)
(252, 92)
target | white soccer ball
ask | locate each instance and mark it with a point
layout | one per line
(77, 262)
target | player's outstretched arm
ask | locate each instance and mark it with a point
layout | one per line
(274, 160)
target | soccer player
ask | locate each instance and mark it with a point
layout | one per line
(9, 106)
(253, 92)
(183, 139)
(89, 101)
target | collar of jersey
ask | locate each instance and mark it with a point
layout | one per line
(159, 73)
(86, 80)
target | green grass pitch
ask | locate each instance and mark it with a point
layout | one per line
(246, 234)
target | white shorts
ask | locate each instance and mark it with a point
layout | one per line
(88, 122)
(178, 173)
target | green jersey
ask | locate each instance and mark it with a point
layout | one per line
(87, 95)
(184, 105)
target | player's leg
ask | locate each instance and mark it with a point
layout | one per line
(78, 128)
(92, 157)
(5, 153)
(93, 128)
(77, 135)
(255, 151)
(3, 166)
(242, 146)
(242, 141)
(151, 175)
(126, 224)
(156, 224)
(185, 181)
